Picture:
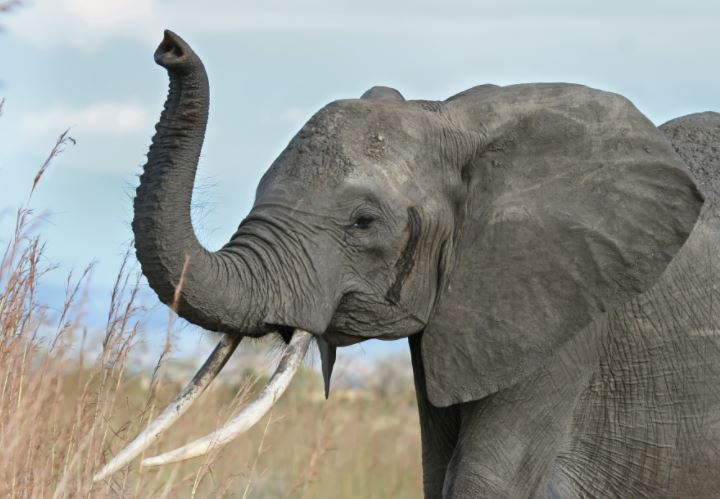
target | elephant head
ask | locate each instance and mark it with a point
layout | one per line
(497, 223)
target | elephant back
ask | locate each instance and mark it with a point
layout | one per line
(696, 138)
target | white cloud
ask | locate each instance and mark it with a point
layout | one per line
(87, 24)
(105, 118)
(83, 24)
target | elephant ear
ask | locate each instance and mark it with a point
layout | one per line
(576, 204)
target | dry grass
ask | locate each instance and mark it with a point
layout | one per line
(63, 414)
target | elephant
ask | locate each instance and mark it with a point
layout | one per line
(543, 247)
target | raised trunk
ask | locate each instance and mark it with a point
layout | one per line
(211, 293)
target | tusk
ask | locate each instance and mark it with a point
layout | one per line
(327, 361)
(251, 414)
(197, 385)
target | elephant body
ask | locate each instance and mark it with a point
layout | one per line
(542, 246)
(630, 407)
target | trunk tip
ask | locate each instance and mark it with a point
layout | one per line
(174, 54)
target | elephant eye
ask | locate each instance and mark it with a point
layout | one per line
(363, 222)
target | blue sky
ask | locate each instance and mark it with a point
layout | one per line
(87, 65)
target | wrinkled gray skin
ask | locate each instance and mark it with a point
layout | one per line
(533, 242)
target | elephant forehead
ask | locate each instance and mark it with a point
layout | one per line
(317, 159)
(335, 143)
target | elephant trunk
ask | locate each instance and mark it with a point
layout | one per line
(206, 288)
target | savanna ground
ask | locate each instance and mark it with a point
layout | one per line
(65, 409)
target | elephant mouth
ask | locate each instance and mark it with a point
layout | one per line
(332, 336)
(361, 317)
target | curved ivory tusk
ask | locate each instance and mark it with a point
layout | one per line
(197, 385)
(251, 414)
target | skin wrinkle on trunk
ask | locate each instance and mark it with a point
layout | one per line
(212, 291)
(274, 258)
(291, 235)
(277, 244)
(284, 247)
